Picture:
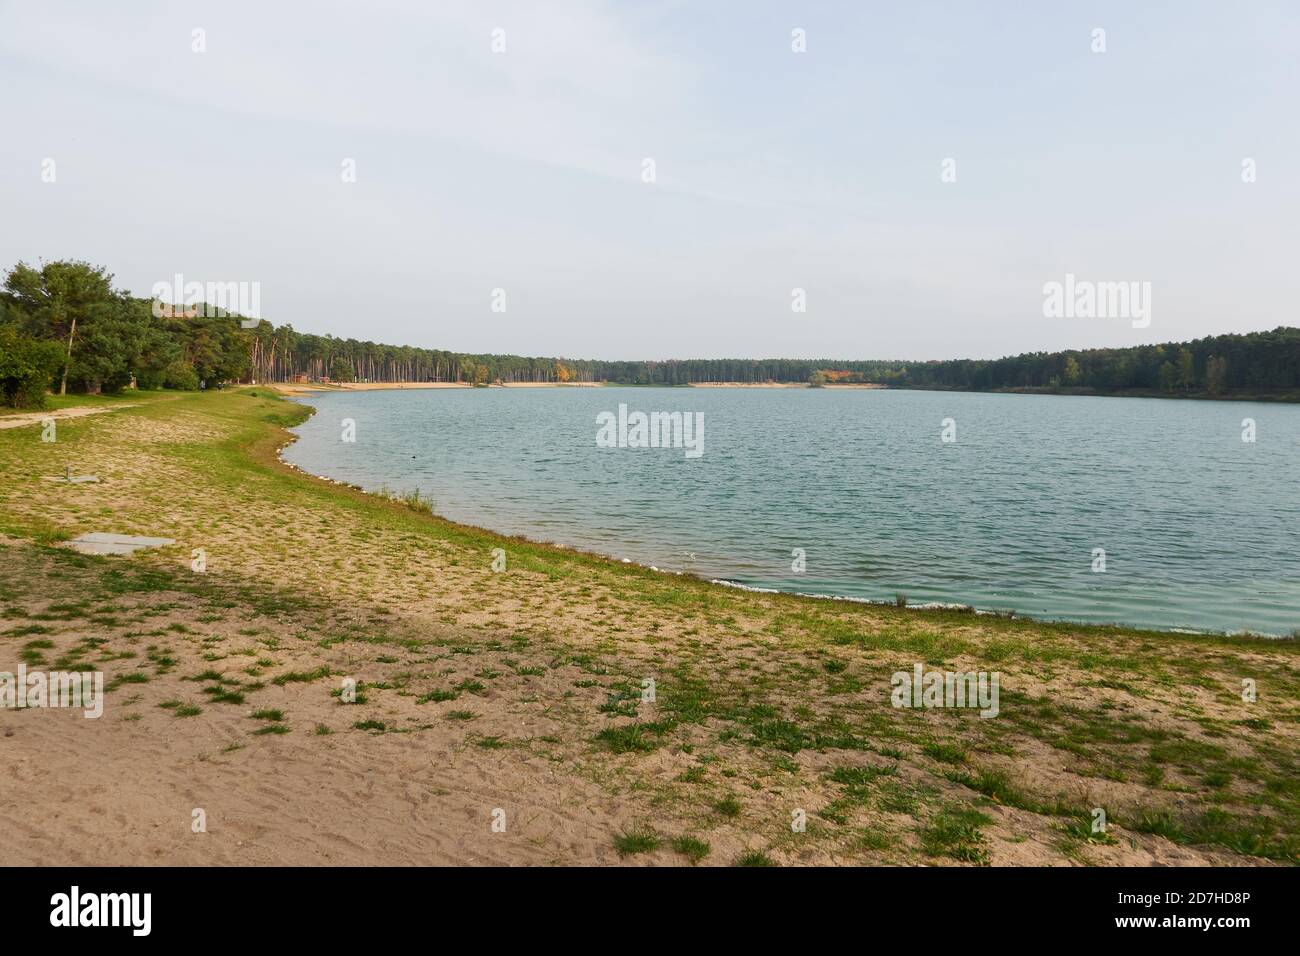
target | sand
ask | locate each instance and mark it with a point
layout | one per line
(543, 660)
(298, 388)
(23, 419)
(780, 385)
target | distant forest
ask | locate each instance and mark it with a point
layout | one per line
(64, 328)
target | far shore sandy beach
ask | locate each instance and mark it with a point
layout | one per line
(298, 388)
(778, 385)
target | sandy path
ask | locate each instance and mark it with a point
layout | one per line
(36, 418)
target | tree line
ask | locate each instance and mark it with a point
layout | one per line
(1263, 364)
(63, 327)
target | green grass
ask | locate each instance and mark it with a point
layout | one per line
(302, 677)
(944, 752)
(437, 696)
(54, 403)
(744, 682)
(632, 738)
(956, 832)
(220, 695)
(207, 675)
(693, 848)
(728, 807)
(637, 841)
(134, 677)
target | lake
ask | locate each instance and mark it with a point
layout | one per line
(1199, 529)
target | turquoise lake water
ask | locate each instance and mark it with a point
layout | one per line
(1200, 529)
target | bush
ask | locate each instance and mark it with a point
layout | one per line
(149, 379)
(180, 375)
(26, 367)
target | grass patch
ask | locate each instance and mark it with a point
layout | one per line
(728, 807)
(302, 677)
(637, 841)
(693, 848)
(437, 696)
(633, 738)
(956, 832)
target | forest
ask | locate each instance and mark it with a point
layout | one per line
(64, 328)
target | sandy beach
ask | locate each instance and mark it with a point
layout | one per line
(519, 695)
(295, 388)
(777, 385)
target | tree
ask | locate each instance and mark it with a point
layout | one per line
(106, 336)
(1186, 369)
(109, 347)
(51, 301)
(27, 365)
(341, 370)
(1216, 373)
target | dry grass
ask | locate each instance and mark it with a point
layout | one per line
(522, 690)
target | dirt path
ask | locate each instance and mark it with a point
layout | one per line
(37, 418)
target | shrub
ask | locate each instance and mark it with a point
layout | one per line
(26, 367)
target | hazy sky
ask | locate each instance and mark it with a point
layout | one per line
(522, 170)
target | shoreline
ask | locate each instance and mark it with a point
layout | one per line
(289, 388)
(829, 386)
(948, 606)
(520, 688)
(303, 388)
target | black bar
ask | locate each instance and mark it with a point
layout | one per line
(302, 905)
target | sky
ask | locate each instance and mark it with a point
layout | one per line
(523, 168)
